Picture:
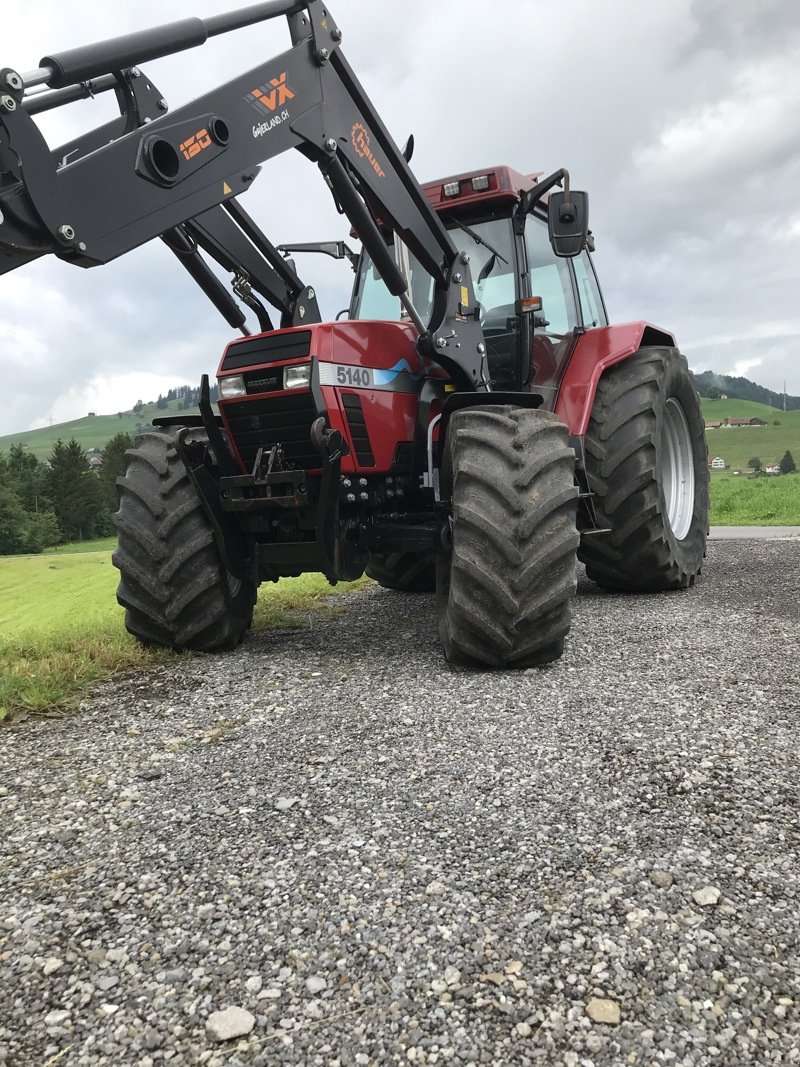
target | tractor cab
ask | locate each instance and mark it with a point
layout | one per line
(512, 262)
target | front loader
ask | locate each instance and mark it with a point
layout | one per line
(472, 428)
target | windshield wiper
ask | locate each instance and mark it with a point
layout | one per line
(476, 237)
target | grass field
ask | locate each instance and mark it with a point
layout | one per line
(736, 445)
(102, 544)
(748, 501)
(61, 628)
(716, 410)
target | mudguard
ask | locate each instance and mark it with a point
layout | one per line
(596, 351)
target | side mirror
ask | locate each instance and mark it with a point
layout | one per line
(568, 222)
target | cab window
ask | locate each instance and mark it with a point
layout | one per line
(550, 280)
(589, 291)
(554, 326)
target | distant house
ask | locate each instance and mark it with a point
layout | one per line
(736, 423)
(713, 425)
(773, 468)
(717, 463)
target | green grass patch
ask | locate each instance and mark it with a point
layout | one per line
(46, 673)
(289, 603)
(749, 501)
(61, 629)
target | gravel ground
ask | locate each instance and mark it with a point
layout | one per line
(385, 860)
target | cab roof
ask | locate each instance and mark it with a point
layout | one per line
(473, 187)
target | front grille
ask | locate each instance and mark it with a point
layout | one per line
(279, 420)
(267, 349)
(358, 429)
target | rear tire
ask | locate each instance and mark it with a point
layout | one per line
(505, 589)
(407, 572)
(173, 586)
(646, 465)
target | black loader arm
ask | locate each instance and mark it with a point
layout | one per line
(177, 176)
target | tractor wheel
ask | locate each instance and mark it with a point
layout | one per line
(408, 572)
(505, 588)
(173, 586)
(646, 465)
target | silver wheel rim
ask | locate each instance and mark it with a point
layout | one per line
(678, 469)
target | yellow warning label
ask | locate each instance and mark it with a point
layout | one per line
(226, 189)
(464, 295)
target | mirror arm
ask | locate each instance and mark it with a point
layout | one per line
(534, 195)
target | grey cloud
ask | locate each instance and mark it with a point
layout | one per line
(700, 242)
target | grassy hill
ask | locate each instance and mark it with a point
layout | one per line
(93, 431)
(736, 445)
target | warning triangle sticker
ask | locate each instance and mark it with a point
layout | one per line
(226, 189)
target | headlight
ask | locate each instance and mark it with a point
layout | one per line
(232, 386)
(297, 377)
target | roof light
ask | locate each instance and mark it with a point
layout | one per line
(451, 188)
(480, 183)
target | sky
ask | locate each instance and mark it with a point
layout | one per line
(680, 117)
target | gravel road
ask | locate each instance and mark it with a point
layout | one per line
(384, 860)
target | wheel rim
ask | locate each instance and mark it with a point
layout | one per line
(678, 469)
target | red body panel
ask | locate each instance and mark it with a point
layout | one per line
(390, 411)
(595, 351)
(390, 416)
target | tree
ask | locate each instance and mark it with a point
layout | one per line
(13, 523)
(114, 463)
(754, 463)
(713, 393)
(787, 464)
(27, 476)
(42, 531)
(27, 521)
(77, 496)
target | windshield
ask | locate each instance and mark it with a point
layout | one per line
(488, 244)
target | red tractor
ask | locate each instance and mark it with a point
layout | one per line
(473, 427)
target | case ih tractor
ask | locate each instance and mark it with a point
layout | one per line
(472, 428)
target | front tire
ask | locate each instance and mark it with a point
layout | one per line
(407, 572)
(504, 591)
(173, 586)
(646, 466)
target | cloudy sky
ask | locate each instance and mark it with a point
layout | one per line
(681, 118)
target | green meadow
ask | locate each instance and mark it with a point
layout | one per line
(61, 628)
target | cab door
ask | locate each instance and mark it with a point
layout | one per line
(556, 327)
